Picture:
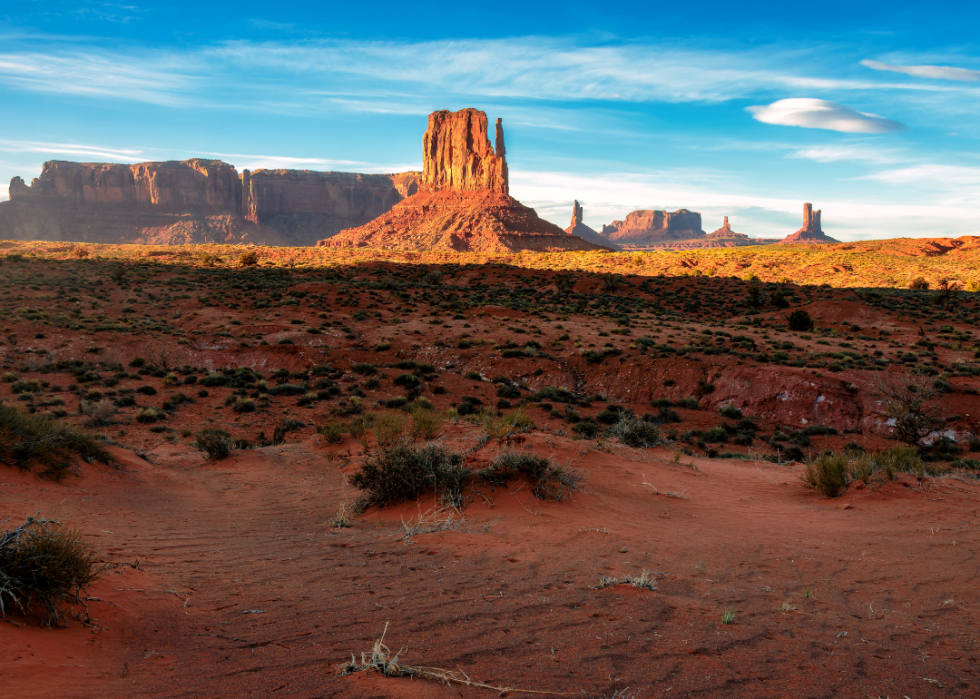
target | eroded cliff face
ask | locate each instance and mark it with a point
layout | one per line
(645, 227)
(194, 201)
(207, 186)
(307, 206)
(458, 156)
(463, 202)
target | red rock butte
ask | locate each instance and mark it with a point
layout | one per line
(578, 228)
(463, 203)
(811, 231)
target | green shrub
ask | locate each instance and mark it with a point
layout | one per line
(403, 473)
(47, 565)
(800, 321)
(146, 415)
(364, 368)
(244, 405)
(332, 432)
(730, 411)
(28, 439)
(634, 432)
(688, 404)
(548, 480)
(248, 258)
(586, 429)
(214, 442)
(827, 475)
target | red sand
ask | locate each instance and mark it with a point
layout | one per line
(244, 590)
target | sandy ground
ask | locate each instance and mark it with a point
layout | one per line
(243, 589)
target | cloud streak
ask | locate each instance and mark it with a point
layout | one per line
(934, 72)
(73, 149)
(811, 113)
(405, 77)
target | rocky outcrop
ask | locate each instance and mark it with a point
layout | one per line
(647, 227)
(726, 232)
(306, 206)
(458, 156)
(194, 201)
(811, 232)
(463, 202)
(579, 229)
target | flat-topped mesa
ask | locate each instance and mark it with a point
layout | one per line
(458, 157)
(811, 232)
(194, 201)
(209, 186)
(645, 227)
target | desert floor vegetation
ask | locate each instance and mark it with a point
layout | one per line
(325, 436)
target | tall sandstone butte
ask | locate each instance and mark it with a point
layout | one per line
(811, 232)
(578, 228)
(194, 201)
(463, 203)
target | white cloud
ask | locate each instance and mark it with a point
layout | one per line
(157, 78)
(406, 77)
(935, 72)
(286, 162)
(73, 149)
(608, 197)
(833, 154)
(822, 114)
(945, 185)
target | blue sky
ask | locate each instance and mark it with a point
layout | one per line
(869, 110)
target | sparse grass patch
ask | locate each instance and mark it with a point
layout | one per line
(28, 439)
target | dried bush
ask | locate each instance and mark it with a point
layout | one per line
(428, 423)
(827, 475)
(248, 258)
(549, 481)
(45, 565)
(27, 439)
(216, 443)
(404, 472)
(332, 432)
(99, 414)
(389, 429)
(905, 399)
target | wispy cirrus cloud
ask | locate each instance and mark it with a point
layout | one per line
(285, 162)
(155, 77)
(838, 153)
(822, 114)
(405, 77)
(73, 149)
(934, 72)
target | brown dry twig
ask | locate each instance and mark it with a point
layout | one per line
(382, 661)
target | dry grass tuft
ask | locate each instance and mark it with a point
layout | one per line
(437, 520)
(46, 565)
